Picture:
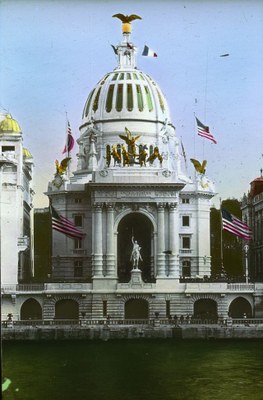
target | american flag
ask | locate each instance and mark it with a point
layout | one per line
(69, 141)
(64, 225)
(235, 226)
(203, 131)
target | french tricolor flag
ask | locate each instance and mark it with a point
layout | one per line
(148, 52)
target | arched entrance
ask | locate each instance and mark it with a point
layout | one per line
(205, 309)
(66, 309)
(239, 307)
(139, 226)
(31, 309)
(136, 309)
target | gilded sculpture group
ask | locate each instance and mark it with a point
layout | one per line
(129, 155)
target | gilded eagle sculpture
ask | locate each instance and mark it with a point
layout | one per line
(126, 21)
(62, 167)
(201, 168)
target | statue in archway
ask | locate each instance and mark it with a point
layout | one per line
(136, 254)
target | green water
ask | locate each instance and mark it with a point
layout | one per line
(134, 370)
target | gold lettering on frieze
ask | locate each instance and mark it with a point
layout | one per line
(136, 193)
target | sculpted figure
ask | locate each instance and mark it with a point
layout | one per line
(136, 254)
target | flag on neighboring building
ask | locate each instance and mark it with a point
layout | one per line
(64, 225)
(183, 152)
(235, 226)
(148, 52)
(69, 141)
(203, 131)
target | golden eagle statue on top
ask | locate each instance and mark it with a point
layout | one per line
(62, 167)
(200, 168)
(126, 21)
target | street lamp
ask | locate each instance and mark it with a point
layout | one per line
(246, 247)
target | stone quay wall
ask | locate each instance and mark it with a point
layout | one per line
(132, 332)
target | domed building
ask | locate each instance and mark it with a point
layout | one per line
(16, 169)
(144, 223)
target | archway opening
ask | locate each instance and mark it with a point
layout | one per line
(31, 309)
(205, 309)
(136, 309)
(141, 228)
(66, 309)
(239, 307)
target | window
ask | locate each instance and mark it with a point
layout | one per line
(185, 201)
(109, 98)
(160, 100)
(77, 243)
(78, 269)
(168, 308)
(87, 105)
(139, 97)
(119, 97)
(185, 220)
(115, 77)
(105, 307)
(149, 99)
(186, 268)
(78, 200)
(78, 220)
(8, 148)
(186, 242)
(96, 101)
(129, 97)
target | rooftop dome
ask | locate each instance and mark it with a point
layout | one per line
(126, 95)
(9, 125)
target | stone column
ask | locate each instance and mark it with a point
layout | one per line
(110, 255)
(160, 241)
(173, 242)
(97, 243)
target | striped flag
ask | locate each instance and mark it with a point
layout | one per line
(64, 225)
(235, 226)
(203, 131)
(70, 140)
(148, 52)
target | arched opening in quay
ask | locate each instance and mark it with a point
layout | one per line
(136, 309)
(30, 309)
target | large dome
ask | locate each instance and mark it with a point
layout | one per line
(126, 106)
(128, 94)
(126, 97)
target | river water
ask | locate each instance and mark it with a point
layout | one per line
(134, 370)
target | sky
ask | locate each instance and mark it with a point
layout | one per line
(52, 54)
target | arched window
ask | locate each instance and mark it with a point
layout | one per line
(96, 100)
(160, 100)
(139, 97)
(87, 105)
(109, 98)
(149, 99)
(119, 99)
(129, 98)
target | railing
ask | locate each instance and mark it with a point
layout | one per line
(241, 287)
(134, 322)
(30, 287)
(79, 251)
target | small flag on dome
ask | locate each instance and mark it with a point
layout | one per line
(203, 131)
(69, 141)
(148, 52)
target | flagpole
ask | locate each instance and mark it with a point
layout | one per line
(67, 143)
(221, 237)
